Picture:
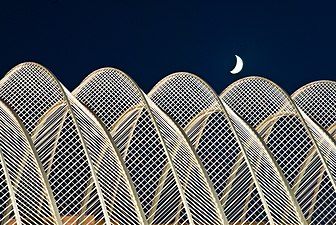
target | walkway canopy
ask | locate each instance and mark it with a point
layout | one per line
(171, 182)
(249, 183)
(301, 149)
(88, 179)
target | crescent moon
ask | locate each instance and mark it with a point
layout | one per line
(239, 65)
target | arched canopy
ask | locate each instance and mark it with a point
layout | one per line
(236, 160)
(174, 94)
(25, 194)
(30, 90)
(86, 174)
(318, 101)
(171, 182)
(293, 142)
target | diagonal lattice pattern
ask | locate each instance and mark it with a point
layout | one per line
(172, 184)
(25, 197)
(318, 101)
(302, 150)
(229, 149)
(179, 155)
(77, 154)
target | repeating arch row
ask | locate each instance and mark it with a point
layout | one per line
(172, 183)
(26, 197)
(231, 151)
(107, 153)
(89, 182)
(303, 150)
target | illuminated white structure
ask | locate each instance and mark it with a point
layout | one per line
(25, 194)
(303, 150)
(88, 179)
(171, 182)
(109, 154)
(318, 101)
(246, 178)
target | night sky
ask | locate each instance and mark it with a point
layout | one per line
(289, 43)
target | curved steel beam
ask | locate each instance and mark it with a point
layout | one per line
(80, 122)
(165, 128)
(166, 93)
(38, 184)
(318, 101)
(266, 98)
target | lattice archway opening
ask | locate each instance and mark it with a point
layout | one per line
(69, 139)
(153, 146)
(291, 139)
(232, 153)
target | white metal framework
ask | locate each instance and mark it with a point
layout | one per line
(88, 179)
(179, 155)
(318, 101)
(172, 185)
(248, 182)
(25, 194)
(302, 149)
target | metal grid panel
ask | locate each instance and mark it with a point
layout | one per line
(191, 176)
(325, 142)
(104, 104)
(67, 168)
(121, 202)
(294, 146)
(78, 155)
(147, 162)
(318, 101)
(80, 184)
(324, 194)
(6, 207)
(226, 155)
(280, 201)
(42, 91)
(25, 197)
(140, 134)
(175, 105)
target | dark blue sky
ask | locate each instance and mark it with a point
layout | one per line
(290, 43)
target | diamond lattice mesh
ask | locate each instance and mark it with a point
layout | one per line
(78, 172)
(294, 146)
(252, 156)
(226, 154)
(30, 197)
(30, 81)
(149, 149)
(318, 101)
